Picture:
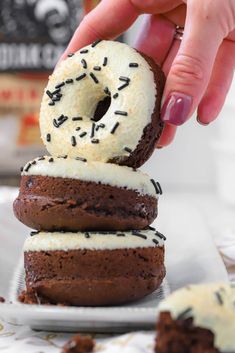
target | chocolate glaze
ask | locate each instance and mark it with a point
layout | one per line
(50, 204)
(151, 132)
(94, 277)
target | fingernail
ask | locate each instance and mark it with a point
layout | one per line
(176, 108)
(200, 122)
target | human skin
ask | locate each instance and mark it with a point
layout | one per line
(199, 68)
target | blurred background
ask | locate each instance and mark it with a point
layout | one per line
(33, 34)
(197, 171)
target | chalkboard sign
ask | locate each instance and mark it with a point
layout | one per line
(34, 33)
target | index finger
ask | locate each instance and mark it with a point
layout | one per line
(107, 21)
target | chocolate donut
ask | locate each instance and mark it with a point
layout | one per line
(102, 103)
(91, 268)
(76, 195)
(197, 319)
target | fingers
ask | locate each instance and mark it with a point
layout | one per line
(106, 21)
(177, 15)
(167, 136)
(220, 81)
(111, 18)
(169, 131)
(190, 72)
(156, 6)
(155, 38)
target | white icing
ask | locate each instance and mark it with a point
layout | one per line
(207, 312)
(44, 241)
(105, 173)
(81, 97)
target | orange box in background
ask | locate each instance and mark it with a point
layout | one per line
(33, 35)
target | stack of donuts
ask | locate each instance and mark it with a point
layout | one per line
(89, 206)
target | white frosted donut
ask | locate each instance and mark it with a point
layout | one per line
(103, 70)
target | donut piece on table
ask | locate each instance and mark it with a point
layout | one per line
(68, 194)
(197, 319)
(94, 268)
(103, 104)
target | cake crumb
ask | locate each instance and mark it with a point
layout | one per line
(31, 297)
(79, 344)
(2, 300)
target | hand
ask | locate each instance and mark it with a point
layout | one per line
(199, 68)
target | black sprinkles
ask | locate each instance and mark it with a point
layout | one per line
(73, 141)
(187, 313)
(84, 63)
(105, 61)
(114, 128)
(94, 44)
(79, 78)
(56, 95)
(156, 186)
(48, 137)
(94, 78)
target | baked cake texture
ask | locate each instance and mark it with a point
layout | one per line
(196, 319)
(73, 195)
(91, 268)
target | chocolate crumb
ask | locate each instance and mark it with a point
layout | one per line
(79, 344)
(2, 300)
(30, 296)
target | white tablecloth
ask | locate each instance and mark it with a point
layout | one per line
(21, 339)
(191, 257)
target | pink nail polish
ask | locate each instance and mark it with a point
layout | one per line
(176, 108)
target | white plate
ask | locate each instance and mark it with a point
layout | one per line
(140, 314)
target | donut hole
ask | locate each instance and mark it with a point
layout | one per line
(102, 108)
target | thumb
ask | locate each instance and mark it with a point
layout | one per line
(191, 69)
